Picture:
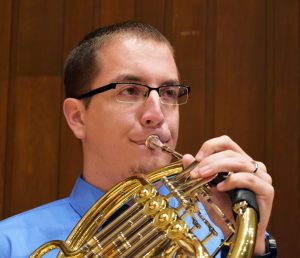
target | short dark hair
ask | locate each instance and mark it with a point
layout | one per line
(81, 65)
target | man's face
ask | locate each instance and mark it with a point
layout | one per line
(115, 132)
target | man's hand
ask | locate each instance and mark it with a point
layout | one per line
(223, 154)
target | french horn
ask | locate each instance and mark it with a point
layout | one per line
(151, 226)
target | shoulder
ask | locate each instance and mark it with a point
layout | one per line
(23, 233)
(46, 213)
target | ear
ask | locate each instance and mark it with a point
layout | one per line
(74, 111)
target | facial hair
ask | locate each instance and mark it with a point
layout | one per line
(138, 170)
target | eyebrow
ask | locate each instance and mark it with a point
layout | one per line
(128, 77)
(133, 78)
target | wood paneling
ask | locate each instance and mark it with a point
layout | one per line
(284, 146)
(70, 154)
(34, 126)
(112, 11)
(5, 13)
(240, 73)
(34, 105)
(241, 59)
(187, 34)
(38, 32)
(152, 12)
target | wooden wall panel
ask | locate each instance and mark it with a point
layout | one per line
(152, 12)
(75, 11)
(112, 11)
(240, 73)
(5, 14)
(70, 150)
(284, 146)
(187, 34)
(37, 30)
(210, 71)
(240, 57)
(34, 126)
(34, 114)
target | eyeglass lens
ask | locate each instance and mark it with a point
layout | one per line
(131, 93)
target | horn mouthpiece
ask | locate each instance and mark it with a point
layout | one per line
(153, 142)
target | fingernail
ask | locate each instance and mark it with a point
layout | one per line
(202, 171)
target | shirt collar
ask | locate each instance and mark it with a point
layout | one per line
(83, 196)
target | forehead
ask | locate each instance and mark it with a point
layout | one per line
(146, 59)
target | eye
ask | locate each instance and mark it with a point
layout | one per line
(129, 90)
(169, 92)
(130, 93)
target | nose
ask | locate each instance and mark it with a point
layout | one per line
(152, 114)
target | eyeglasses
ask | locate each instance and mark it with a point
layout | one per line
(131, 92)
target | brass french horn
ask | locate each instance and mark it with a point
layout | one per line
(151, 226)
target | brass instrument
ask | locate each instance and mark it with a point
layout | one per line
(152, 226)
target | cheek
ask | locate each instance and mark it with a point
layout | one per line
(173, 124)
(176, 129)
(112, 120)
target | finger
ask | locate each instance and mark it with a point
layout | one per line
(232, 165)
(264, 192)
(230, 161)
(187, 159)
(218, 144)
(260, 170)
(262, 166)
(227, 160)
(249, 181)
(219, 165)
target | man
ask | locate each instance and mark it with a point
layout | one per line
(122, 85)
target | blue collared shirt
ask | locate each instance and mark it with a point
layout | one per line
(21, 234)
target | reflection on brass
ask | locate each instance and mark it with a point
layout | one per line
(153, 142)
(151, 227)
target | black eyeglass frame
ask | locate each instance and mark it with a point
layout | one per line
(113, 85)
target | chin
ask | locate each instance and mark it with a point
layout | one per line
(151, 164)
